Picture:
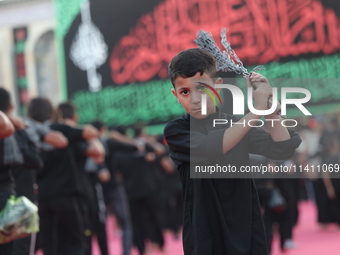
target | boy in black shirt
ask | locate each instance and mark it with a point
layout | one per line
(221, 216)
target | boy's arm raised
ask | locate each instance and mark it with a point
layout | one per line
(279, 143)
(190, 146)
(277, 131)
(234, 134)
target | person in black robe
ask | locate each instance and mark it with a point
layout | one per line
(15, 149)
(25, 178)
(82, 151)
(331, 175)
(140, 188)
(221, 216)
(115, 194)
(324, 204)
(60, 193)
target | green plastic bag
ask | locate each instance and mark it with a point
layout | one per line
(18, 219)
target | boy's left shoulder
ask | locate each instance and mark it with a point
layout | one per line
(178, 124)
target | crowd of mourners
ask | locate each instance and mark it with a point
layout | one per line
(314, 176)
(79, 174)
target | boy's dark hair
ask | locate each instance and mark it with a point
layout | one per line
(188, 62)
(40, 109)
(98, 124)
(5, 100)
(67, 110)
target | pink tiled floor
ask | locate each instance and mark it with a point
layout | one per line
(310, 240)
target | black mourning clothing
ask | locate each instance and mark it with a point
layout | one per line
(221, 216)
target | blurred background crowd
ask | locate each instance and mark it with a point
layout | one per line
(85, 89)
(77, 175)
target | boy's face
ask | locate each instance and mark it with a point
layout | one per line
(189, 93)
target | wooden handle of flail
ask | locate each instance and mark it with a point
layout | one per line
(270, 101)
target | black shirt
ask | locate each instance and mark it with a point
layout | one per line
(137, 173)
(84, 179)
(25, 177)
(32, 160)
(6, 185)
(5, 176)
(113, 149)
(221, 216)
(60, 174)
(332, 161)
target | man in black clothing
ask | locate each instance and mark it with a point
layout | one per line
(128, 157)
(115, 194)
(153, 151)
(60, 190)
(31, 161)
(140, 188)
(25, 179)
(331, 178)
(82, 151)
(221, 216)
(16, 149)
